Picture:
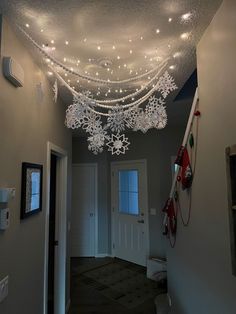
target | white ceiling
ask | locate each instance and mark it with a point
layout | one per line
(133, 35)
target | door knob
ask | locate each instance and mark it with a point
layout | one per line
(141, 221)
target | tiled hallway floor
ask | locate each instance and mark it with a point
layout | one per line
(92, 294)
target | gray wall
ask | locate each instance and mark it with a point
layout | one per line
(25, 128)
(200, 276)
(156, 147)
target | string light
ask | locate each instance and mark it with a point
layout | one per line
(185, 36)
(67, 42)
(52, 41)
(185, 18)
(170, 20)
(113, 47)
(157, 31)
(27, 25)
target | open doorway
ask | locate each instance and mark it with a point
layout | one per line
(55, 231)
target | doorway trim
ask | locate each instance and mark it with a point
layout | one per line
(60, 275)
(96, 202)
(120, 163)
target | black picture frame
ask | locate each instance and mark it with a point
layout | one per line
(31, 189)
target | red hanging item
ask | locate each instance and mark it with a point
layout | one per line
(169, 209)
(186, 170)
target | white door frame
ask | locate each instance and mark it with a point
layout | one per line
(120, 163)
(61, 213)
(96, 201)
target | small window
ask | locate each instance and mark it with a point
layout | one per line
(128, 192)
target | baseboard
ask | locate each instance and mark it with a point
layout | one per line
(68, 306)
(100, 255)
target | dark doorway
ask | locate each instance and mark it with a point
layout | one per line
(52, 225)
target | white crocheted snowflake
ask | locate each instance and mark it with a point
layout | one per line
(116, 119)
(118, 144)
(143, 122)
(166, 84)
(131, 117)
(91, 122)
(156, 112)
(75, 115)
(96, 142)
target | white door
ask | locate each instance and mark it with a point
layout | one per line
(129, 211)
(83, 214)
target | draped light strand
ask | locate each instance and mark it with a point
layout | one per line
(88, 113)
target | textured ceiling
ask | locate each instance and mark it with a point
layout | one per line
(130, 36)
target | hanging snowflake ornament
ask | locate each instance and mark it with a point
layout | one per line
(161, 121)
(55, 91)
(96, 142)
(116, 119)
(153, 102)
(91, 122)
(143, 122)
(75, 115)
(131, 117)
(118, 144)
(166, 84)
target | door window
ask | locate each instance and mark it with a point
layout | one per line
(128, 192)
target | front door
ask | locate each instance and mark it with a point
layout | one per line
(129, 211)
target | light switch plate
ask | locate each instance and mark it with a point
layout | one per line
(4, 288)
(153, 211)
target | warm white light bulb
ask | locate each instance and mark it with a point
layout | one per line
(131, 51)
(113, 47)
(67, 42)
(52, 41)
(96, 73)
(172, 67)
(41, 30)
(118, 57)
(50, 73)
(185, 36)
(170, 19)
(27, 25)
(157, 31)
(99, 47)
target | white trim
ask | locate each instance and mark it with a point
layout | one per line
(60, 277)
(101, 255)
(96, 201)
(68, 306)
(120, 163)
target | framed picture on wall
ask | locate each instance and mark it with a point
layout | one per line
(31, 189)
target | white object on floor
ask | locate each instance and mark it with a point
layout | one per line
(154, 266)
(162, 304)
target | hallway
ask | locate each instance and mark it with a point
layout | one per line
(107, 285)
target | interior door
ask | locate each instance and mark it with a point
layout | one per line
(84, 181)
(129, 211)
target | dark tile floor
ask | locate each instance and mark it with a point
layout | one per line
(87, 300)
